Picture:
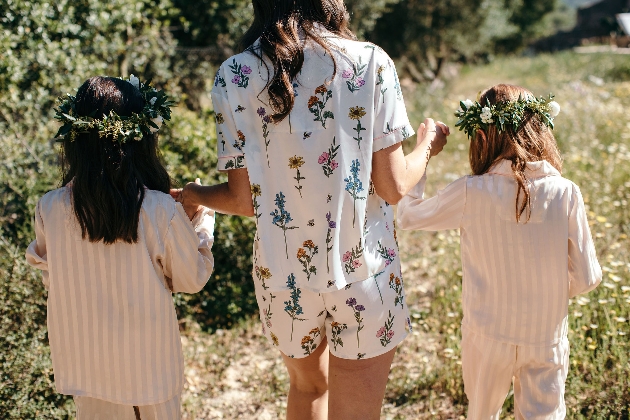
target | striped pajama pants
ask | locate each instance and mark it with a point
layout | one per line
(538, 373)
(95, 409)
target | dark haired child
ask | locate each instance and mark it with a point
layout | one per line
(526, 250)
(113, 246)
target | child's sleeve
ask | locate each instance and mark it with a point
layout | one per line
(585, 273)
(188, 261)
(36, 253)
(230, 141)
(444, 211)
(391, 123)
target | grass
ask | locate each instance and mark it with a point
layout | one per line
(236, 374)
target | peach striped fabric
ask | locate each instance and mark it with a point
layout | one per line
(518, 277)
(112, 325)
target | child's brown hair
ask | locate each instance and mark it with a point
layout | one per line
(531, 141)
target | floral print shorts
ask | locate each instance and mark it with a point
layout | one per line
(365, 319)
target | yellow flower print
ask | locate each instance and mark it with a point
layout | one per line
(296, 162)
(380, 69)
(274, 339)
(256, 190)
(356, 113)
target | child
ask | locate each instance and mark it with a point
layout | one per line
(526, 250)
(113, 246)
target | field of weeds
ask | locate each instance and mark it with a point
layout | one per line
(236, 374)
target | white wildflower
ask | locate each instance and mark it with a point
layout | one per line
(554, 108)
(486, 115)
(157, 121)
(134, 81)
(152, 101)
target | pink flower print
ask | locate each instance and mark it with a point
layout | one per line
(236, 79)
(263, 329)
(334, 164)
(323, 158)
(391, 252)
(347, 256)
(387, 263)
(347, 74)
(246, 70)
(390, 334)
(386, 225)
(269, 323)
(360, 82)
(379, 333)
(356, 264)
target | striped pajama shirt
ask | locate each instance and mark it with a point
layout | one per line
(114, 334)
(517, 277)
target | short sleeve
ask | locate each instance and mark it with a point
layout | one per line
(391, 123)
(230, 140)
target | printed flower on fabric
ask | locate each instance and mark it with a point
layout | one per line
(296, 162)
(274, 339)
(327, 159)
(266, 119)
(350, 259)
(357, 309)
(380, 81)
(240, 143)
(219, 118)
(308, 341)
(354, 187)
(292, 306)
(396, 284)
(263, 274)
(329, 238)
(282, 218)
(389, 254)
(218, 80)
(317, 105)
(336, 330)
(386, 332)
(355, 76)
(241, 74)
(305, 257)
(356, 113)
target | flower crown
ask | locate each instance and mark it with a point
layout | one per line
(474, 116)
(157, 108)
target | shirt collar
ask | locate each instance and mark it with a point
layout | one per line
(536, 169)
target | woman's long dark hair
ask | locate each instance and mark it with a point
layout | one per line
(279, 25)
(108, 179)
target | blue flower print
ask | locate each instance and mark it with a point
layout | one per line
(282, 218)
(292, 306)
(354, 186)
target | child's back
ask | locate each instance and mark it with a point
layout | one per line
(526, 249)
(112, 325)
(517, 277)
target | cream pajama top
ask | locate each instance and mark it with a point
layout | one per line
(517, 277)
(112, 325)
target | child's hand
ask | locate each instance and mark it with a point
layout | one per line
(435, 134)
(185, 197)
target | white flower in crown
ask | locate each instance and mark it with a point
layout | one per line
(554, 108)
(152, 101)
(157, 121)
(486, 115)
(468, 103)
(134, 81)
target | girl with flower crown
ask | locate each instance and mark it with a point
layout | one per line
(310, 124)
(113, 246)
(526, 250)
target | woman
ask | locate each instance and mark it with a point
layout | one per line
(304, 116)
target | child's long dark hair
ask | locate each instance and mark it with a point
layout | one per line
(532, 141)
(108, 179)
(279, 24)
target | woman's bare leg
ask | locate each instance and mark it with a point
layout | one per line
(357, 387)
(308, 392)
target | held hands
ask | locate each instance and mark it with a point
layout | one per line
(185, 196)
(435, 133)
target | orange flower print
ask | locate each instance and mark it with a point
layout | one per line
(306, 257)
(301, 253)
(312, 101)
(321, 89)
(396, 284)
(241, 136)
(308, 341)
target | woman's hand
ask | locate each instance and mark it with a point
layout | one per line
(434, 134)
(186, 197)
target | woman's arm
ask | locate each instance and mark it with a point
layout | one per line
(233, 197)
(37, 254)
(394, 174)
